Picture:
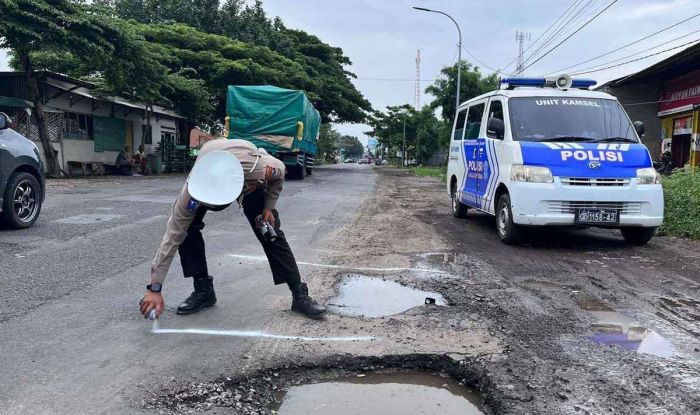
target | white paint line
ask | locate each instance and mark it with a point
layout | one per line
(346, 267)
(243, 333)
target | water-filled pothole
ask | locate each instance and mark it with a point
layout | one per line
(361, 296)
(409, 393)
(616, 329)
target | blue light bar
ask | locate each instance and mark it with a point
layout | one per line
(513, 82)
(583, 83)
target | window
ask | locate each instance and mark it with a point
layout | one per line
(147, 134)
(77, 126)
(459, 125)
(562, 119)
(495, 111)
(476, 113)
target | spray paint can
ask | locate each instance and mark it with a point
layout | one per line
(152, 315)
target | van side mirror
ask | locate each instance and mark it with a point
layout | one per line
(5, 121)
(495, 128)
(639, 127)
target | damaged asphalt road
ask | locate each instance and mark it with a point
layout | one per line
(573, 322)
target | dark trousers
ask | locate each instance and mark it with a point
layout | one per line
(279, 254)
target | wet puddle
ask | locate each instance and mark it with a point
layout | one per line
(406, 393)
(361, 296)
(616, 329)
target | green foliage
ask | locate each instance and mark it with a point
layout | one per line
(682, 205)
(472, 84)
(328, 140)
(425, 133)
(425, 171)
(350, 146)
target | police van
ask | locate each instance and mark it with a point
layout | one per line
(551, 152)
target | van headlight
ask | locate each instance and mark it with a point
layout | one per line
(648, 175)
(531, 174)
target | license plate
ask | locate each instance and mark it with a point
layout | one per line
(597, 216)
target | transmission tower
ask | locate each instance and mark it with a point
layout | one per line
(520, 38)
(416, 92)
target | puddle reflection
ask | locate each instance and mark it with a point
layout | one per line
(361, 296)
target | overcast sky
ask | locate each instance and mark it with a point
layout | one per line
(381, 37)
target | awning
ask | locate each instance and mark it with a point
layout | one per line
(14, 102)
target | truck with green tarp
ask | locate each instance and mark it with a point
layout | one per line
(282, 121)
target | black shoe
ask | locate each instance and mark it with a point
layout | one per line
(302, 303)
(203, 296)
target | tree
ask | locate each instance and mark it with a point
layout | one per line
(350, 146)
(328, 142)
(472, 84)
(28, 26)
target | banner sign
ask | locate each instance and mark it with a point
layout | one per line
(683, 126)
(681, 92)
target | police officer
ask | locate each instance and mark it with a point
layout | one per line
(224, 170)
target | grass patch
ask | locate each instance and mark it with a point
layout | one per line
(682, 205)
(429, 171)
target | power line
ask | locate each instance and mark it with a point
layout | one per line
(480, 62)
(576, 31)
(542, 34)
(627, 45)
(562, 27)
(640, 52)
(638, 59)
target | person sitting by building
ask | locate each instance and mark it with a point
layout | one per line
(124, 162)
(141, 161)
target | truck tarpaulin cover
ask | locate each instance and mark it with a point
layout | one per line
(270, 110)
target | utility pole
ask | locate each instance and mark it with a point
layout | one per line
(520, 38)
(416, 92)
(459, 52)
(403, 153)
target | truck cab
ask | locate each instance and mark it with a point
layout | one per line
(550, 152)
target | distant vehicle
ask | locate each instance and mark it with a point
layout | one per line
(550, 152)
(282, 121)
(22, 181)
(364, 161)
(385, 162)
(349, 160)
(378, 162)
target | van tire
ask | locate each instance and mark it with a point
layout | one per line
(638, 236)
(459, 209)
(508, 232)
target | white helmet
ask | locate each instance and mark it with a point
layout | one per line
(216, 178)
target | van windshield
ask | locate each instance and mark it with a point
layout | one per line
(569, 119)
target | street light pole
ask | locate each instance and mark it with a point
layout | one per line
(459, 52)
(403, 153)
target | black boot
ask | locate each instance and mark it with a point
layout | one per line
(302, 303)
(202, 296)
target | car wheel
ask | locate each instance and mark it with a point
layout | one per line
(22, 201)
(508, 232)
(459, 209)
(638, 236)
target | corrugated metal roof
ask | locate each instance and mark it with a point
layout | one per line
(15, 103)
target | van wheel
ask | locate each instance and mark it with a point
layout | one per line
(638, 236)
(459, 210)
(508, 232)
(21, 201)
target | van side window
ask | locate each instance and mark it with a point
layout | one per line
(476, 113)
(495, 111)
(459, 125)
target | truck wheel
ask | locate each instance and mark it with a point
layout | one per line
(459, 210)
(308, 171)
(297, 172)
(508, 232)
(638, 236)
(21, 202)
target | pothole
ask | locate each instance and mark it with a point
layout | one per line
(362, 296)
(410, 393)
(548, 285)
(613, 328)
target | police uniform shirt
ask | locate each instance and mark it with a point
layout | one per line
(259, 168)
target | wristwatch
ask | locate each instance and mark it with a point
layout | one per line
(155, 287)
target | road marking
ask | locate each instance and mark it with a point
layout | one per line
(346, 267)
(244, 333)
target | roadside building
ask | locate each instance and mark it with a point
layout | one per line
(87, 128)
(666, 97)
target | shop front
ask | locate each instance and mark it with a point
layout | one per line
(679, 111)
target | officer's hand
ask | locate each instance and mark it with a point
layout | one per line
(269, 217)
(150, 302)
